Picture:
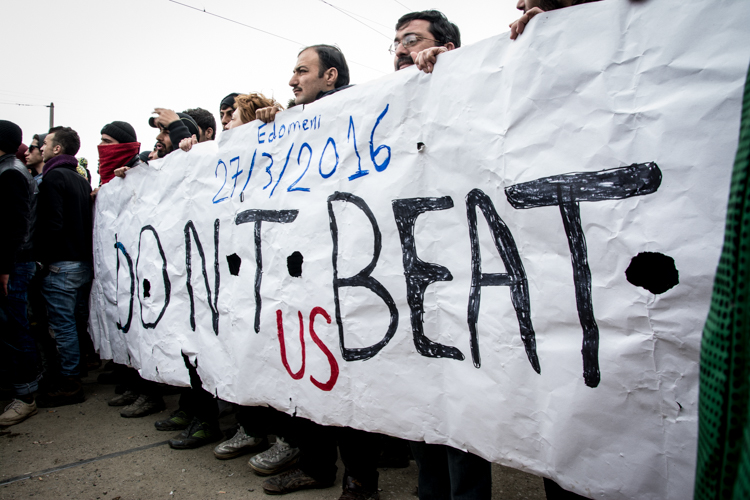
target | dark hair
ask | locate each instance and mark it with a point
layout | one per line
(204, 119)
(331, 57)
(67, 139)
(441, 29)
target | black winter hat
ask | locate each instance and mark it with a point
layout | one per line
(186, 119)
(228, 101)
(11, 137)
(121, 131)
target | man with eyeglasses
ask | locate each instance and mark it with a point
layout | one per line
(34, 160)
(418, 31)
(444, 472)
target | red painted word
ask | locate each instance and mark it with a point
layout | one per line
(327, 386)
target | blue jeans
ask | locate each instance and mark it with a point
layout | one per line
(446, 473)
(18, 354)
(61, 290)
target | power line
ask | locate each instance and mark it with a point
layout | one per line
(361, 22)
(272, 34)
(404, 6)
(366, 18)
(23, 104)
(236, 22)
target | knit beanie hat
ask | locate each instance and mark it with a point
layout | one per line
(21, 153)
(10, 137)
(40, 139)
(121, 131)
(228, 101)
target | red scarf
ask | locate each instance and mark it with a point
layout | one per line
(112, 156)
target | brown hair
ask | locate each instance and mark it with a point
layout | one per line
(248, 104)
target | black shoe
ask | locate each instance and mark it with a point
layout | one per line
(353, 490)
(177, 421)
(196, 435)
(69, 392)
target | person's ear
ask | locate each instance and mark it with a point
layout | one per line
(331, 75)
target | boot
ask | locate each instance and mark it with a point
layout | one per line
(68, 392)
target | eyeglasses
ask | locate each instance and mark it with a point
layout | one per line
(408, 41)
(32, 148)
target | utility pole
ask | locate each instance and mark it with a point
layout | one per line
(51, 114)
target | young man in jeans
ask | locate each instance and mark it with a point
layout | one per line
(65, 249)
(18, 354)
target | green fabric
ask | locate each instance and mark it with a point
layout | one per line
(723, 466)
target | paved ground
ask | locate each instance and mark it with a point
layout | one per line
(88, 451)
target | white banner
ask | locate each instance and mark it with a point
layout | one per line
(513, 255)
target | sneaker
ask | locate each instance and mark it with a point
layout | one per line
(353, 490)
(177, 421)
(144, 405)
(16, 412)
(196, 435)
(292, 480)
(68, 392)
(277, 458)
(125, 399)
(240, 444)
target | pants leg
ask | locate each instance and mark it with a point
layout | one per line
(17, 348)
(82, 325)
(317, 444)
(434, 479)
(260, 421)
(470, 475)
(39, 329)
(60, 290)
(196, 401)
(360, 452)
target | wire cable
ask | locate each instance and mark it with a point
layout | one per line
(404, 6)
(22, 104)
(236, 22)
(361, 22)
(366, 18)
(275, 35)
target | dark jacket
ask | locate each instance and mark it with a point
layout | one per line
(18, 198)
(324, 93)
(65, 223)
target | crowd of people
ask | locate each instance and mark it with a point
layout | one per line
(46, 274)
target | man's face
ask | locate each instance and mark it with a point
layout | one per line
(163, 143)
(33, 154)
(108, 139)
(305, 82)
(49, 149)
(236, 120)
(419, 28)
(226, 117)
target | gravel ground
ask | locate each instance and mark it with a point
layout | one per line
(87, 451)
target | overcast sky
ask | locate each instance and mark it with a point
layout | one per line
(117, 60)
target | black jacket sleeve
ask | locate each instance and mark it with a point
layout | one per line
(177, 132)
(14, 207)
